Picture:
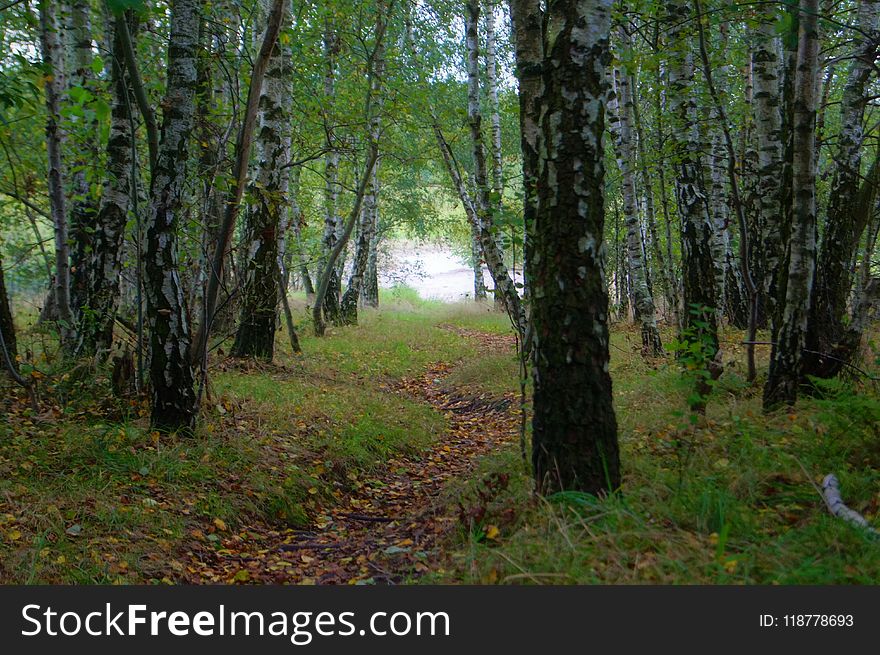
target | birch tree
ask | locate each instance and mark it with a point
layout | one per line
(574, 429)
(84, 144)
(370, 213)
(526, 16)
(621, 124)
(103, 265)
(829, 339)
(491, 252)
(700, 295)
(787, 356)
(255, 336)
(171, 373)
(52, 49)
(332, 220)
(766, 103)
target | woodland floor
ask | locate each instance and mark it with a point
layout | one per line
(389, 453)
(384, 529)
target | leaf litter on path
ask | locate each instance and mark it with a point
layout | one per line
(385, 529)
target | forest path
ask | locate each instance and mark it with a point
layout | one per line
(388, 527)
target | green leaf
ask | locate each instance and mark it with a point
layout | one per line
(119, 6)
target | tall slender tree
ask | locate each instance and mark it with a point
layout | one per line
(700, 296)
(332, 219)
(255, 336)
(787, 356)
(620, 110)
(488, 239)
(84, 144)
(830, 341)
(767, 107)
(103, 265)
(171, 373)
(370, 212)
(52, 48)
(574, 429)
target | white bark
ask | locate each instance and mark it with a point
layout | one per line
(620, 120)
(831, 495)
(52, 52)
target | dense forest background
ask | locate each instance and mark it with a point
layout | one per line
(209, 375)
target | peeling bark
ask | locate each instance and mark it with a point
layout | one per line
(171, 373)
(103, 267)
(787, 356)
(700, 295)
(255, 336)
(848, 212)
(574, 429)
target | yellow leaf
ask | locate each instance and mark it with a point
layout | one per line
(220, 523)
(14, 535)
(492, 532)
(313, 490)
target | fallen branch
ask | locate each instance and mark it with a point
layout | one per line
(831, 494)
(364, 517)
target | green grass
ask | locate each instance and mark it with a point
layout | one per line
(730, 500)
(89, 495)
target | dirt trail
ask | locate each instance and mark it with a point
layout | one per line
(387, 528)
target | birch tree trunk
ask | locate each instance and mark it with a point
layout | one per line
(370, 213)
(494, 110)
(766, 102)
(52, 53)
(477, 263)
(574, 429)
(103, 266)
(829, 333)
(719, 211)
(664, 266)
(370, 291)
(171, 373)
(233, 196)
(491, 252)
(296, 220)
(527, 16)
(83, 205)
(332, 220)
(700, 296)
(787, 356)
(620, 123)
(496, 199)
(255, 336)
(7, 326)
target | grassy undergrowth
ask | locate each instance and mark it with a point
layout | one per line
(88, 494)
(732, 499)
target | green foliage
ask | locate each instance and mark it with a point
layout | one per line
(695, 349)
